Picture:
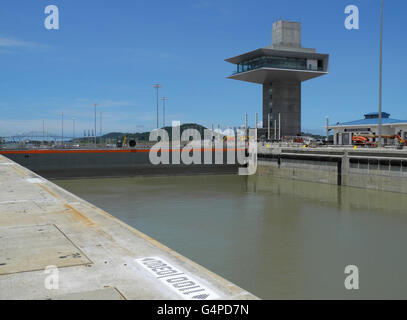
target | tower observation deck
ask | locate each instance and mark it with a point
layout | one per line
(280, 68)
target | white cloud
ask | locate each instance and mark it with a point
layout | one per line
(12, 43)
(8, 45)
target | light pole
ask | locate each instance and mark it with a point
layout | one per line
(73, 129)
(100, 129)
(327, 129)
(164, 99)
(380, 76)
(95, 105)
(279, 127)
(245, 127)
(62, 141)
(157, 86)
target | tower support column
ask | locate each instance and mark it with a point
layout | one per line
(284, 98)
(267, 105)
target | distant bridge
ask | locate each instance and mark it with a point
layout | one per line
(36, 136)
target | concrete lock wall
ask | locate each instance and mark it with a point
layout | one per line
(304, 170)
(53, 164)
(377, 174)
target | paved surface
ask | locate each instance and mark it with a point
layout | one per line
(96, 255)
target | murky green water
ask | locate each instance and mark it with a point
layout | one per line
(275, 238)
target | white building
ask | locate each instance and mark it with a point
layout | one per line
(343, 132)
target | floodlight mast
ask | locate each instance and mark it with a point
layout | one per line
(157, 86)
(163, 100)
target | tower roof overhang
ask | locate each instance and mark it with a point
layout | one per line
(269, 73)
(264, 75)
(294, 53)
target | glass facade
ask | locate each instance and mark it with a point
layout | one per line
(275, 62)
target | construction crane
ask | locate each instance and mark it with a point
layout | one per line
(363, 140)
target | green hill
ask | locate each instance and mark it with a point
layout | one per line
(144, 136)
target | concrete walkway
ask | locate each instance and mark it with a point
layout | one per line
(50, 238)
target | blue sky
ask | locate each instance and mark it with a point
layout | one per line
(111, 52)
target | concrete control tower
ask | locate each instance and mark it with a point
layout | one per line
(281, 68)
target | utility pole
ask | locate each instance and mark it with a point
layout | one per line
(327, 129)
(62, 141)
(256, 119)
(95, 105)
(100, 129)
(164, 99)
(245, 121)
(380, 76)
(279, 127)
(275, 130)
(73, 129)
(245, 127)
(157, 86)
